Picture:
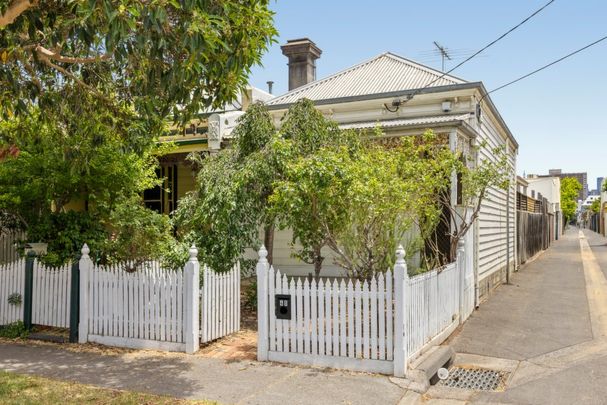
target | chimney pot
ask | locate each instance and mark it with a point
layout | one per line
(302, 54)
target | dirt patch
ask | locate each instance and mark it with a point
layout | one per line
(238, 346)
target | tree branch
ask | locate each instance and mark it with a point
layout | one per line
(66, 72)
(48, 54)
(15, 9)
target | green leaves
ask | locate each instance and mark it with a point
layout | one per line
(160, 56)
(570, 188)
(79, 157)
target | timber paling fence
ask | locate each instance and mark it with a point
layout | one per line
(533, 234)
(374, 325)
(8, 246)
(124, 305)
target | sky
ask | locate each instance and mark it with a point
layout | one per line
(557, 115)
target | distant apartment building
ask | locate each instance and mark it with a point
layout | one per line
(581, 177)
(599, 184)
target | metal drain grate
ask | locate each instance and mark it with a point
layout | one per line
(481, 379)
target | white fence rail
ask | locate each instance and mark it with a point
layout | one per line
(12, 281)
(51, 295)
(219, 303)
(372, 325)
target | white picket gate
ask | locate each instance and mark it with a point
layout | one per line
(219, 303)
(374, 325)
(51, 295)
(156, 308)
(12, 281)
(129, 308)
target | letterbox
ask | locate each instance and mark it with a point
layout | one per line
(282, 306)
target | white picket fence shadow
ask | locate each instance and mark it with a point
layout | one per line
(219, 303)
(51, 295)
(12, 281)
(375, 325)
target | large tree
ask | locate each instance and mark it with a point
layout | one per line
(570, 188)
(156, 56)
(228, 206)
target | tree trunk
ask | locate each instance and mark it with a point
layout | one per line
(268, 240)
(318, 259)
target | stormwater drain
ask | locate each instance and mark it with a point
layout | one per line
(480, 379)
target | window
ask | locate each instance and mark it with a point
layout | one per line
(163, 198)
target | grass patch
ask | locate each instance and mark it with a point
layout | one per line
(16, 389)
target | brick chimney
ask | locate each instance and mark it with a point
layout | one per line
(302, 54)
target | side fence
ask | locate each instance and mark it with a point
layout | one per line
(374, 325)
(533, 234)
(8, 248)
(151, 308)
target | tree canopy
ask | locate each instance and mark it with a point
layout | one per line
(157, 57)
(80, 158)
(570, 188)
(358, 196)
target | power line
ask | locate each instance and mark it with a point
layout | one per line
(490, 44)
(544, 67)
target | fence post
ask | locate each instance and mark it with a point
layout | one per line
(28, 290)
(461, 269)
(401, 296)
(192, 302)
(74, 299)
(85, 267)
(262, 304)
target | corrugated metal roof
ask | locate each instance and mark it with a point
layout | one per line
(384, 73)
(407, 122)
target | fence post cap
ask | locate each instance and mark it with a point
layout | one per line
(263, 253)
(193, 253)
(461, 243)
(85, 250)
(400, 254)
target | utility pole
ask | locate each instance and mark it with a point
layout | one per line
(444, 53)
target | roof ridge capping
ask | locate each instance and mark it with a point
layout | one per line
(427, 68)
(369, 77)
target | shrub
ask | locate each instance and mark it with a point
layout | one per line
(13, 330)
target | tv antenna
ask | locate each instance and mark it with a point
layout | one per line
(444, 52)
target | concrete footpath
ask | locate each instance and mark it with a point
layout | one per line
(548, 329)
(195, 377)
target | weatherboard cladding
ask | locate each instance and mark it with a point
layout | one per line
(384, 73)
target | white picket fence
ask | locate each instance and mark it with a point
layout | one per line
(433, 303)
(375, 325)
(51, 295)
(128, 308)
(12, 281)
(155, 308)
(219, 303)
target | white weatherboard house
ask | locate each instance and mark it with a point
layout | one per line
(378, 91)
